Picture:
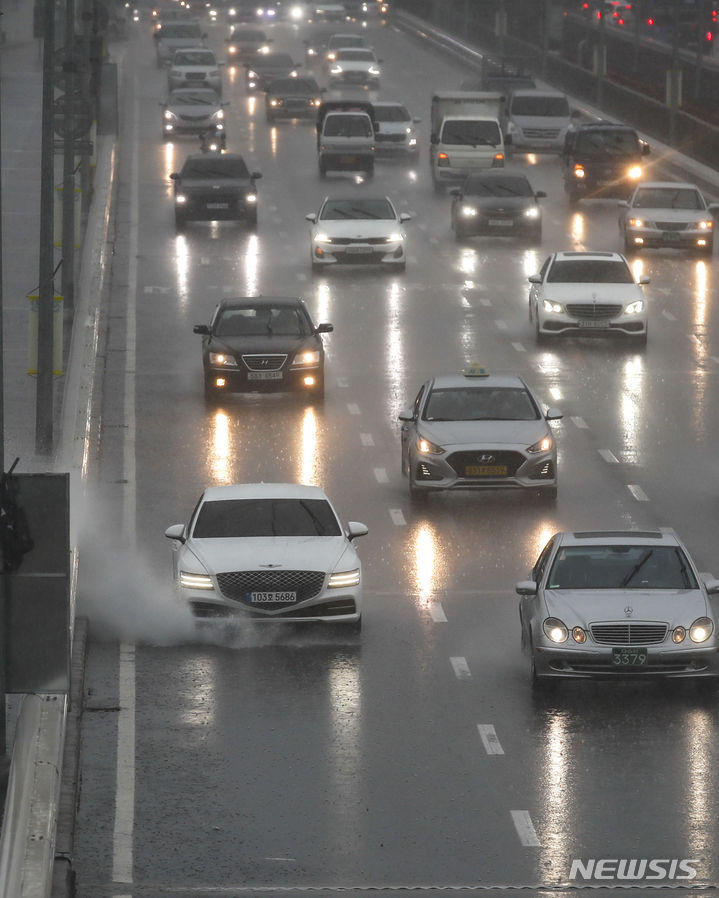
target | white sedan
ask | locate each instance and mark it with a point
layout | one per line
(357, 230)
(194, 67)
(268, 552)
(587, 293)
(618, 603)
(355, 66)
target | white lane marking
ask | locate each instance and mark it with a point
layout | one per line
(693, 338)
(579, 422)
(609, 457)
(353, 408)
(637, 492)
(205, 260)
(714, 358)
(525, 828)
(123, 832)
(501, 325)
(155, 289)
(518, 347)
(397, 517)
(367, 439)
(668, 315)
(301, 276)
(489, 738)
(461, 668)
(381, 475)
(436, 612)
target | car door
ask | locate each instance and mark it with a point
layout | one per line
(536, 291)
(408, 431)
(530, 607)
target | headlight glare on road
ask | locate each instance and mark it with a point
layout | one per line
(549, 306)
(555, 630)
(543, 445)
(701, 629)
(223, 360)
(311, 357)
(428, 448)
(190, 580)
(344, 579)
(634, 308)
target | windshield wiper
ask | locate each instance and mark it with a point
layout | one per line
(637, 567)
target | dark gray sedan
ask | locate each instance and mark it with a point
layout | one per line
(496, 203)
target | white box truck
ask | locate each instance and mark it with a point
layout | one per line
(465, 135)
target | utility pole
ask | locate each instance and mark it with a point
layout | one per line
(69, 68)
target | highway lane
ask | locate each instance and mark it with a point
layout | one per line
(416, 752)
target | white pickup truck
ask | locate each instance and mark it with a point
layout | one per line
(465, 134)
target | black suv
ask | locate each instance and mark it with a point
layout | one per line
(602, 159)
(215, 187)
(263, 343)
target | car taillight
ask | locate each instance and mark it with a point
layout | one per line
(442, 159)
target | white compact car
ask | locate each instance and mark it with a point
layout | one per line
(355, 66)
(355, 230)
(618, 603)
(667, 213)
(268, 552)
(589, 294)
(194, 67)
(396, 133)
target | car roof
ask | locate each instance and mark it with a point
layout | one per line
(671, 185)
(445, 381)
(216, 156)
(537, 92)
(242, 302)
(387, 103)
(665, 536)
(263, 491)
(564, 255)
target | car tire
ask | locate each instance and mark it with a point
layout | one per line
(535, 235)
(212, 394)
(540, 337)
(418, 496)
(322, 169)
(180, 224)
(460, 235)
(547, 494)
(252, 220)
(398, 266)
(354, 626)
(438, 186)
(270, 118)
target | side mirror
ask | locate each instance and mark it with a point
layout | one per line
(201, 329)
(712, 586)
(535, 279)
(644, 279)
(404, 216)
(553, 414)
(176, 531)
(175, 176)
(354, 528)
(540, 194)
(526, 588)
(406, 415)
(575, 113)
(623, 204)
(256, 175)
(324, 328)
(312, 216)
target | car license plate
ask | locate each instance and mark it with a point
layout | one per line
(670, 236)
(283, 598)
(264, 375)
(599, 324)
(629, 657)
(218, 205)
(347, 160)
(485, 471)
(500, 222)
(359, 250)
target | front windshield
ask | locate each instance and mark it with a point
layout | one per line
(194, 98)
(590, 271)
(608, 143)
(621, 567)
(278, 321)
(502, 186)
(471, 132)
(241, 518)
(557, 107)
(480, 404)
(336, 210)
(667, 198)
(355, 56)
(215, 166)
(194, 57)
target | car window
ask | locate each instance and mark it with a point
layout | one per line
(391, 114)
(621, 567)
(608, 143)
(264, 320)
(541, 563)
(215, 166)
(538, 105)
(347, 126)
(471, 132)
(193, 98)
(337, 210)
(480, 404)
(234, 518)
(193, 57)
(667, 198)
(590, 271)
(503, 186)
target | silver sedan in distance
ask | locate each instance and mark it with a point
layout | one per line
(667, 213)
(268, 552)
(478, 431)
(618, 603)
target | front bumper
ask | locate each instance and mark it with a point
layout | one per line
(554, 324)
(662, 661)
(216, 208)
(357, 79)
(689, 238)
(351, 160)
(203, 126)
(329, 606)
(460, 469)
(358, 253)
(242, 380)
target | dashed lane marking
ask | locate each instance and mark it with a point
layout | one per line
(461, 668)
(353, 408)
(398, 519)
(381, 475)
(668, 315)
(519, 347)
(367, 439)
(609, 457)
(525, 828)
(579, 422)
(436, 612)
(637, 492)
(489, 738)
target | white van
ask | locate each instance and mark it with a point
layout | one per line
(536, 120)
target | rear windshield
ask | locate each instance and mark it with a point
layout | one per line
(621, 567)
(391, 114)
(348, 126)
(469, 132)
(589, 271)
(539, 105)
(608, 143)
(233, 518)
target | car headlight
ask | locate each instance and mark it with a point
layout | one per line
(264, 50)
(701, 629)
(469, 211)
(636, 222)
(274, 102)
(252, 75)
(296, 13)
(373, 70)
(412, 141)
(705, 225)
(634, 308)
(190, 580)
(316, 102)
(678, 635)
(336, 70)
(396, 237)
(223, 360)
(555, 630)
(170, 116)
(311, 51)
(343, 579)
(550, 306)
(220, 114)
(250, 197)
(428, 448)
(310, 357)
(532, 212)
(635, 172)
(180, 198)
(294, 74)
(579, 635)
(232, 49)
(321, 237)
(543, 445)
(331, 56)
(578, 171)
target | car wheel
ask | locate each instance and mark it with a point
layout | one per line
(212, 394)
(547, 493)
(180, 224)
(573, 197)
(416, 495)
(438, 186)
(270, 117)
(538, 335)
(322, 170)
(398, 266)
(354, 626)
(535, 235)
(318, 391)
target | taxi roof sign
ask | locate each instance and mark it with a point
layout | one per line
(475, 370)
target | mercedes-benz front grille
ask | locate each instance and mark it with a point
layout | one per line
(593, 311)
(628, 633)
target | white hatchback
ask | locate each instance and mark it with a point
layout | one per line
(268, 552)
